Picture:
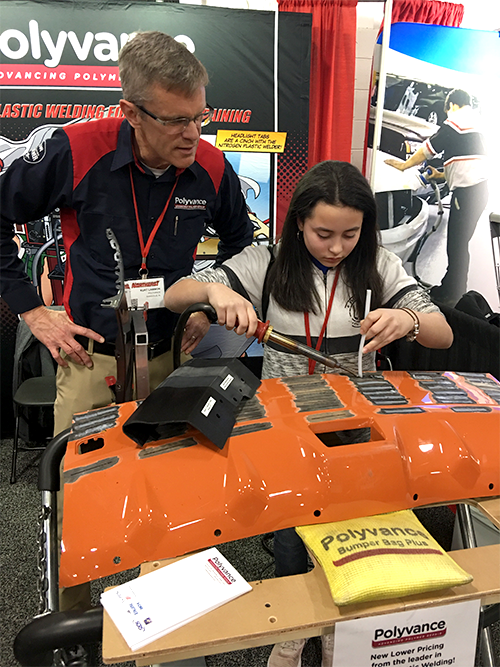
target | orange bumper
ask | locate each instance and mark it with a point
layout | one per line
(433, 438)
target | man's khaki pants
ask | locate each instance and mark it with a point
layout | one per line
(80, 389)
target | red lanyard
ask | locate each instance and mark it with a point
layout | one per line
(145, 248)
(312, 363)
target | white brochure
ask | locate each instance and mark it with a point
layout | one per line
(151, 606)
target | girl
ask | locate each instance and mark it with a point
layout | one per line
(328, 256)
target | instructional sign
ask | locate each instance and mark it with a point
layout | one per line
(253, 142)
(429, 637)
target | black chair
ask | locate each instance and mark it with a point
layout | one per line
(495, 245)
(33, 394)
(475, 348)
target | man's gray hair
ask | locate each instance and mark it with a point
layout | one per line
(153, 57)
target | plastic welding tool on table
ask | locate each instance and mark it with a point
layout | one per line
(264, 334)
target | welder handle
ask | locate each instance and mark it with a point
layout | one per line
(48, 469)
(206, 308)
(262, 332)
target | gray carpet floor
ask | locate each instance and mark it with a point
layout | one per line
(20, 505)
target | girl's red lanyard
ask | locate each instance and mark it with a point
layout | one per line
(312, 363)
(145, 248)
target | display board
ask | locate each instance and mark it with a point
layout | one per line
(425, 62)
(58, 65)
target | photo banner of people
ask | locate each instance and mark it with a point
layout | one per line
(437, 173)
(58, 65)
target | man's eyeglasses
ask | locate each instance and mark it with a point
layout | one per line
(178, 125)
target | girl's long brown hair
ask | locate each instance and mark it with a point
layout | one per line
(291, 275)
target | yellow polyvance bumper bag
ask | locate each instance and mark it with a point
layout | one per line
(380, 557)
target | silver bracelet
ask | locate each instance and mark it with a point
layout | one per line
(413, 333)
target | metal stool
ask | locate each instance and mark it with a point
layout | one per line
(36, 392)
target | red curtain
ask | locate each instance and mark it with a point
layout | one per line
(333, 55)
(427, 11)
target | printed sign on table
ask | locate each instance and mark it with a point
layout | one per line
(428, 637)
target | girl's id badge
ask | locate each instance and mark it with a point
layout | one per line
(145, 293)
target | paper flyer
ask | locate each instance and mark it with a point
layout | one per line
(151, 606)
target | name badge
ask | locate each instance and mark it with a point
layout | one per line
(145, 293)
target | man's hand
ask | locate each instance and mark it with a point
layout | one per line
(417, 158)
(434, 173)
(196, 328)
(398, 164)
(56, 331)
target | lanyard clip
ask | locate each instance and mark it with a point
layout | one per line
(143, 271)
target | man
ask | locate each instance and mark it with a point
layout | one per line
(155, 183)
(465, 171)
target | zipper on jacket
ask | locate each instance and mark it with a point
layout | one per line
(175, 225)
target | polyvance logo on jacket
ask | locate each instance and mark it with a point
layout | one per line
(190, 204)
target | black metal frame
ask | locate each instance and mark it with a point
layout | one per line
(52, 629)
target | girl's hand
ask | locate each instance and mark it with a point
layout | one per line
(384, 325)
(233, 310)
(196, 328)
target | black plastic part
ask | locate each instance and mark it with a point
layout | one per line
(48, 472)
(206, 308)
(205, 393)
(34, 644)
